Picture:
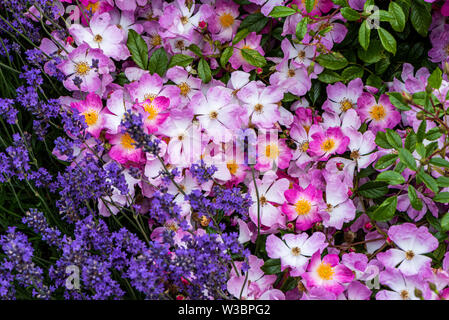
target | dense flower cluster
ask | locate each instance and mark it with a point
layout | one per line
(224, 149)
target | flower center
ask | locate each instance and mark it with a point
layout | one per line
(377, 112)
(303, 207)
(82, 68)
(305, 146)
(328, 145)
(151, 110)
(90, 117)
(258, 108)
(296, 251)
(171, 226)
(226, 20)
(291, 73)
(127, 141)
(98, 38)
(325, 271)
(405, 295)
(185, 88)
(232, 167)
(301, 55)
(180, 45)
(184, 20)
(213, 115)
(156, 40)
(93, 7)
(409, 255)
(271, 151)
(263, 201)
(355, 155)
(181, 137)
(345, 105)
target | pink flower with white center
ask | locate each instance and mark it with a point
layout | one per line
(154, 113)
(84, 68)
(303, 205)
(215, 112)
(380, 115)
(339, 208)
(336, 34)
(300, 53)
(340, 169)
(412, 242)
(341, 98)
(252, 41)
(92, 110)
(271, 193)
(291, 77)
(272, 154)
(230, 164)
(261, 104)
(402, 286)
(301, 136)
(153, 31)
(103, 35)
(256, 285)
(412, 83)
(346, 121)
(223, 24)
(359, 265)
(185, 145)
(319, 6)
(151, 86)
(180, 20)
(295, 250)
(117, 105)
(187, 84)
(327, 273)
(324, 144)
(428, 204)
(123, 149)
(267, 5)
(362, 147)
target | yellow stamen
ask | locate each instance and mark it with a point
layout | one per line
(272, 151)
(185, 88)
(127, 141)
(303, 207)
(232, 167)
(345, 105)
(82, 68)
(151, 110)
(226, 20)
(91, 117)
(328, 145)
(378, 112)
(325, 271)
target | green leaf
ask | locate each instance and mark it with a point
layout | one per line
(158, 62)
(253, 57)
(439, 162)
(407, 158)
(386, 161)
(280, 12)
(435, 79)
(430, 148)
(364, 35)
(138, 49)
(341, 3)
(328, 76)
(443, 182)
(420, 16)
(428, 180)
(398, 17)
(388, 41)
(386, 210)
(204, 71)
(421, 133)
(442, 197)
(226, 55)
(393, 138)
(350, 14)
(381, 140)
(352, 72)
(254, 22)
(182, 60)
(398, 101)
(301, 28)
(410, 142)
(373, 54)
(433, 134)
(195, 49)
(310, 4)
(400, 167)
(374, 81)
(271, 266)
(373, 189)
(444, 222)
(392, 177)
(413, 197)
(332, 61)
